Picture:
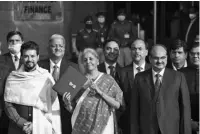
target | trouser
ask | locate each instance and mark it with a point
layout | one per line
(4, 123)
(125, 57)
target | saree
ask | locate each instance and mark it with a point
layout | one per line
(35, 89)
(94, 114)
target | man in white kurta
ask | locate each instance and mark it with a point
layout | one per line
(30, 102)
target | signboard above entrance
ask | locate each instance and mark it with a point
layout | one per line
(38, 11)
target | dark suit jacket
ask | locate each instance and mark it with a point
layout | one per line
(4, 72)
(9, 62)
(127, 80)
(171, 104)
(102, 68)
(65, 115)
(193, 86)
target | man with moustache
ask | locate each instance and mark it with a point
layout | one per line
(192, 77)
(178, 55)
(30, 102)
(139, 50)
(12, 58)
(56, 64)
(110, 66)
(163, 98)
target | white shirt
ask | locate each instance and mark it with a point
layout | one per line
(135, 71)
(52, 64)
(174, 68)
(13, 56)
(154, 75)
(107, 67)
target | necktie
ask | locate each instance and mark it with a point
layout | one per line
(55, 73)
(139, 69)
(112, 72)
(16, 62)
(157, 83)
(156, 112)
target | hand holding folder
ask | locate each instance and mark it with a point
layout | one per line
(70, 83)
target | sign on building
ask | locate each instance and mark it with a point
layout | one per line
(38, 11)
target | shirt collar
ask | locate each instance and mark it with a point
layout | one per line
(52, 64)
(174, 68)
(142, 65)
(161, 72)
(107, 65)
(18, 55)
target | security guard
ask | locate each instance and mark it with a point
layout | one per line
(87, 37)
(102, 29)
(123, 30)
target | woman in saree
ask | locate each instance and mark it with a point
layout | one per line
(93, 112)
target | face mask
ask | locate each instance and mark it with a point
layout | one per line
(14, 48)
(88, 26)
(101, 19)
(192, 16)
(121, 17)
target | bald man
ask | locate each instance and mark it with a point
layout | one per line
(139, 51)
(163, 98)
(57, 64)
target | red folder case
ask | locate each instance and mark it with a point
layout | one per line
(70, 83)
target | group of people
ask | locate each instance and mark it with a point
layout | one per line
(95, 33)
(160, 96)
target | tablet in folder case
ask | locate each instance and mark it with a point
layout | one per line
(70, 83)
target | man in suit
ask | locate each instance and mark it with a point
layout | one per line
(4, 72)
(178, 55)
(192, 77)
(163, 98)
(57, 64)
(12, 58)
(139, 50)
(110, 65)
